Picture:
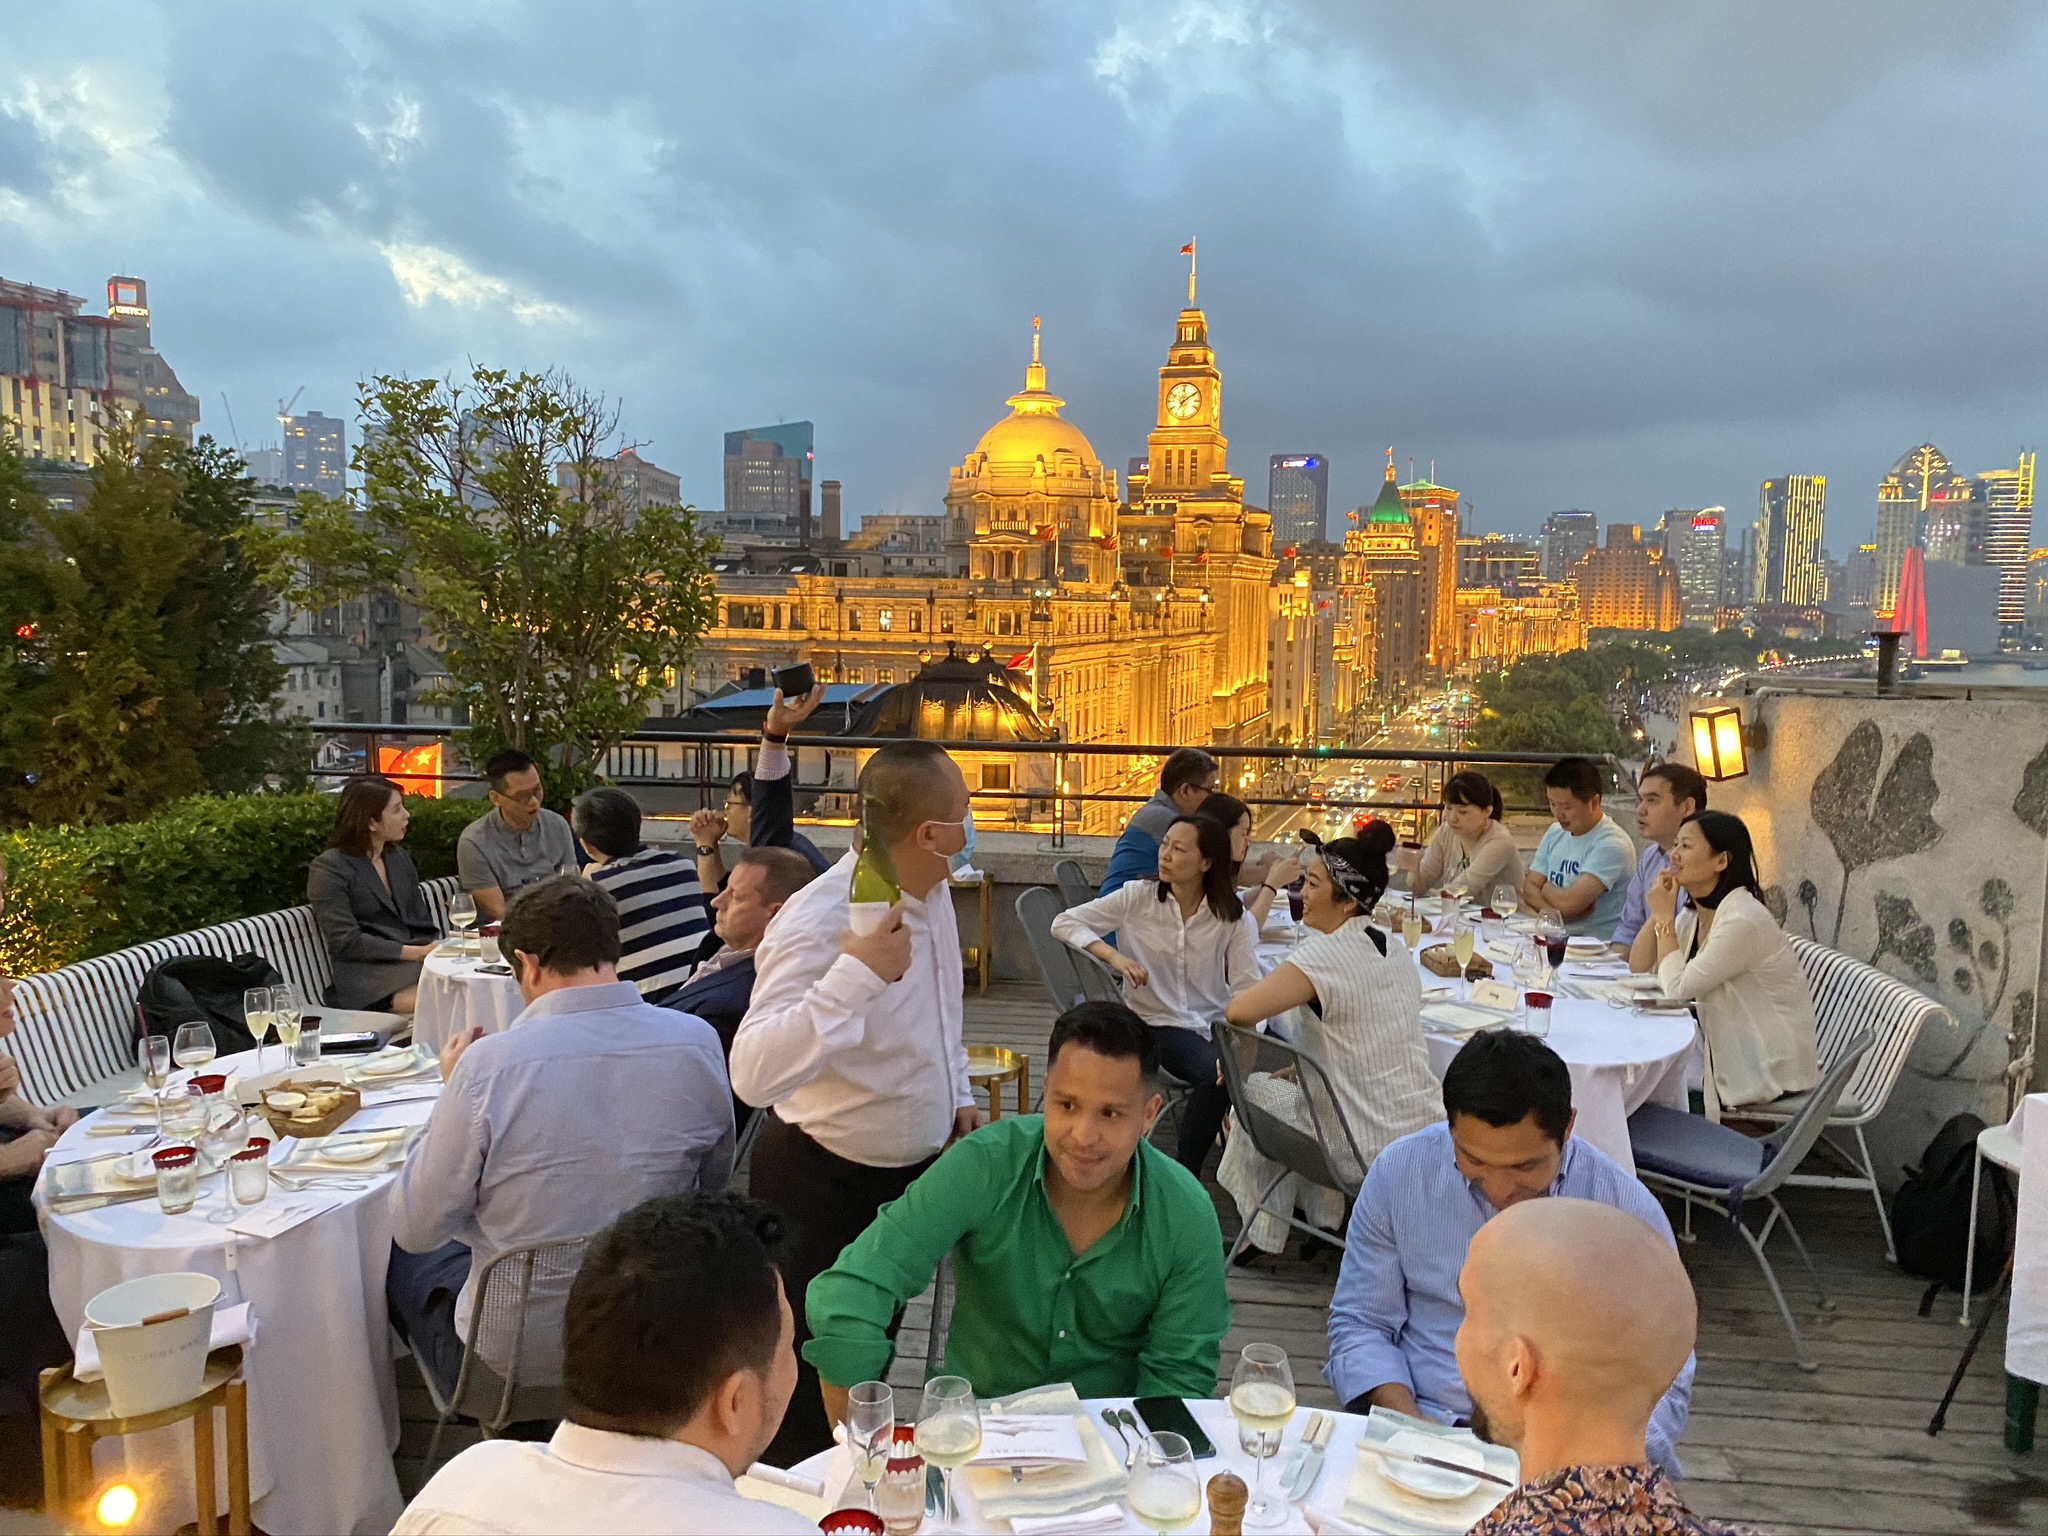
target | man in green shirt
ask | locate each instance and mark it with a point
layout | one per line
(1081, 1253)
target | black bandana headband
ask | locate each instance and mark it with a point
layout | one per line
(1354, 882)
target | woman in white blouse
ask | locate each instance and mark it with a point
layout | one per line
(1184, 945)
(1472, 853)
(1726, 955)
(1357, 1004)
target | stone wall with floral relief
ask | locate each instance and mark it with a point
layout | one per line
(1913, 833)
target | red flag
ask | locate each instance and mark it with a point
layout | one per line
(1188, 249)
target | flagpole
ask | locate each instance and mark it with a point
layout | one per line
(1191, 274)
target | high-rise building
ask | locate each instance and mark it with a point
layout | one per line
(1701, 558)
(1921, 481)
(633, 483)
(314, 456)
(1790, 566)
(1565, 537)
(1298, 497)
(1861, 578)
(768, 483)
(1295, 639)
(1498, 560)
(1386, 554)
(2007, 496)
(66, 376)
(1623, 585)
(1434, 511)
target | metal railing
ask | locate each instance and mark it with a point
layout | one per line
(1056, 806)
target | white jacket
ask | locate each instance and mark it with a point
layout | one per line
(1755, 1009)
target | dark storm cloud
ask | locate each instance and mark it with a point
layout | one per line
(1576, 254)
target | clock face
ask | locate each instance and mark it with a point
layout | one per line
(1182, 401)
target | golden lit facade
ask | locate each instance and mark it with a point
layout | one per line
(1384, 552)
(1624, 585)
(1498, 628)
(1434, 511)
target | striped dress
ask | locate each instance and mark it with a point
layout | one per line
(663, 917)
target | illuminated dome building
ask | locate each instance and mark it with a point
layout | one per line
(1384, 552)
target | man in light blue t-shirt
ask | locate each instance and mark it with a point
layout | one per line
(1582, 866)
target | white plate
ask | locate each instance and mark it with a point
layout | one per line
(353, 1149)
(1430, 1482)
(388, 1065)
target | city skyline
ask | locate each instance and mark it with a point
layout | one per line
(1602, 328)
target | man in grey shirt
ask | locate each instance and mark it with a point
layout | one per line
(591, 1103)
(518, 842)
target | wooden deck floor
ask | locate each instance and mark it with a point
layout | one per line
(1844, 1449)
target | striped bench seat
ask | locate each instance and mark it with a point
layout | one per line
(75, 1026)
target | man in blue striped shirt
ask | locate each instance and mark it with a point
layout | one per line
(1507, 1138)
(663, 916)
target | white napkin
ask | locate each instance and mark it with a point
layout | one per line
(1106, 1517)
(281, 1212)
(231, 1325)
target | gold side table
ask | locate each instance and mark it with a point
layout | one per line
(990, 1066)
(981, 959)
(76, 1415)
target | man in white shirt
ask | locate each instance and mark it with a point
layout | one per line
(854, 1041)
(678, 1364)
(592, 1102)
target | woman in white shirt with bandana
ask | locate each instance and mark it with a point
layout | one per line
(1184, 947)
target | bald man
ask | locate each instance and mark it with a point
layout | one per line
(1578, 1318)
(854, 1041)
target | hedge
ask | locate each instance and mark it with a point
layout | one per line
(76, 892)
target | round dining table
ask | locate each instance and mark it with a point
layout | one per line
(323, 1399)
(457, 993)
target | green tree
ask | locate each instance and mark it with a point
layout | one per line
(560, 612)
(138, 666)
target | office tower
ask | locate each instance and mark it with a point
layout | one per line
(1434, 511)
(1861, 580)
(1298, 497)
(1790, 568)
(1701, 559)
(768, 482)
(1565, 537)
(632, 483)
(314, 456)
(1385, 551)
(829, 514)
(66, 377)
(1623, 585)
(1920, 480)
(2007, 496)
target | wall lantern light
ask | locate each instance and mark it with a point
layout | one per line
(1720, 747)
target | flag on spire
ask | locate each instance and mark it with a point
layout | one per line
(1188, 249)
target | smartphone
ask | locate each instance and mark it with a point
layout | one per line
(365, 1040)
(795, 681)
(1171, 1415)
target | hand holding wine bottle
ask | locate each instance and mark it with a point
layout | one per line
(885, 949)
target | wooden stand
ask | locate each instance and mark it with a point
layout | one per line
(76, 1415)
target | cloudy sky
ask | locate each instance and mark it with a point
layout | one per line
(1587, 254)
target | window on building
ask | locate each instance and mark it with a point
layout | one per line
(945, 621)
(917, 621)
(995, 776)
(887, 620)
(853, 618)
(747, 615)
(857, 675)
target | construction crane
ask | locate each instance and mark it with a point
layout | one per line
(234, 430)
(284, 409)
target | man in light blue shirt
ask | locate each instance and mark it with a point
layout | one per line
(1669, 794)
(1582, 866)
(1395, 1315)
(591, 1102)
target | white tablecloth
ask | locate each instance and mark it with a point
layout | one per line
(323, 1403)
(455, 995)
(2026, 1329)
(834, 1467)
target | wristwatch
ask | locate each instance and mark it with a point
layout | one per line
(705, 853)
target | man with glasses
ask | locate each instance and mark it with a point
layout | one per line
(854, 1039)
(518, 843)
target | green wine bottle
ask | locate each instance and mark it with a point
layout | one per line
(875, 889)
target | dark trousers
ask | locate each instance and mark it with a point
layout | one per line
(31, 1339)
(828, 1202)
(1191, 1057)
(420, 1289)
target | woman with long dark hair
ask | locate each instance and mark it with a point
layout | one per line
(1184, 946)
(1472, 852)
(1259, 882)
(1726, 955)
(366, 897)
(1356, 1006)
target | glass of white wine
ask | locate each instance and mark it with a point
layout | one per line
(949, 1431)
(153, 1055)
(284, 1018)
(192, 1046)
(1507, 901)
(1164, 1491)
(462, 915)
(870, 1430)
(1262, 1401)
(256, 1014)
(1411, 925)
(1463, 941)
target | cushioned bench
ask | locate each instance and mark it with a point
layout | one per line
(75, 1027)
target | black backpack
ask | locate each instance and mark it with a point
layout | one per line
(202, 989)
(1931, 1212)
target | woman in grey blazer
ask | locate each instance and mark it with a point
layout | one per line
(366, 897)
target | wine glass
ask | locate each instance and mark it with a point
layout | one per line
(870, 1430)
(949, 1431)
(285, 1011)
(182, 1113)
(192, 1046)
(1411, 925)
(1262, 1401)
(153, 1055)
(462, 915)
(1506, 900)
(256, 1013)
(1463, 941)
(1551, 931)
(1164, 1491)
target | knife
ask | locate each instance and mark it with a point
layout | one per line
(1439, 1463)
(1302, 1448)
(1317, 1440)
